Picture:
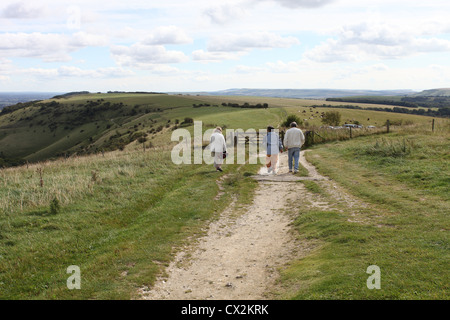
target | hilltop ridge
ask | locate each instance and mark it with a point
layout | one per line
(301, 93)
(442, 92)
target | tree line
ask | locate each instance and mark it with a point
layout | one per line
(409, 102)
(442, 112)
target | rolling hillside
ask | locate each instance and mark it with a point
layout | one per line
(443, 92)
(122, 215)
(93, 123)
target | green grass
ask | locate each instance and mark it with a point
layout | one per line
(123, 215)
(404, 229)
(128, 220)
(312, 186)
(75, 127)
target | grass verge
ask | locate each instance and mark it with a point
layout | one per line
(119, 225)
(404, 179)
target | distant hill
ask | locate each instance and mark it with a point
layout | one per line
(11, 98)
(433, 98)
(303, 93)
(443, 92)
(82, 123)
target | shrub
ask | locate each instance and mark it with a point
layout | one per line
(332, 118)
(292, 118)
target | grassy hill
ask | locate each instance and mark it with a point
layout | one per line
(121, 215)
(443, 92)
(119, 212)
(403, 180)
(92, 123)
(436, 101)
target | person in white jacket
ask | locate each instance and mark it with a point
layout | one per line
(293, 141)
(218, 148)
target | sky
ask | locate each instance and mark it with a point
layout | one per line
(206, 45)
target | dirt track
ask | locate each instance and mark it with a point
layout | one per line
(239, 257)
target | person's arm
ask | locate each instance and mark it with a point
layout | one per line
(224, 144)
(211, 142)
(302, 138)
(286, 140)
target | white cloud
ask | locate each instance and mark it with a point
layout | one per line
(49, 47)
(143, 56)
(232, 46)
(366, 41)
(21, 10)
(225, 13)
(5, 65)
(303, 3)
(246, 41)
(114, 72)
(82, 39)
(360, 37)
(167, 35)
(215, 56)
(75, 72)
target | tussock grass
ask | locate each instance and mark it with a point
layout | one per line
(389, 148)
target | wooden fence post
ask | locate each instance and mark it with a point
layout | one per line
(350, 132)
(388, 125)
(432, 126)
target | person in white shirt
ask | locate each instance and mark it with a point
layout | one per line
(218, 148)
(293, 141)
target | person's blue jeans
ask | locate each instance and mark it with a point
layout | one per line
(293, 154)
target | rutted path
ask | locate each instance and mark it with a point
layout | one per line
(239, 257)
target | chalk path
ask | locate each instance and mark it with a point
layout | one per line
(240, 255)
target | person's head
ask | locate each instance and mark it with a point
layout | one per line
(293, 124)
(270, 128)
(218, 129)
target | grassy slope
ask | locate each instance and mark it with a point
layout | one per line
(121, 214)
(404, 177)
(128, 220)
(26, 134)
(301, 108)
(121, 228)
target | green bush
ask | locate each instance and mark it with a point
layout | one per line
(332, 118)
(292, 118)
